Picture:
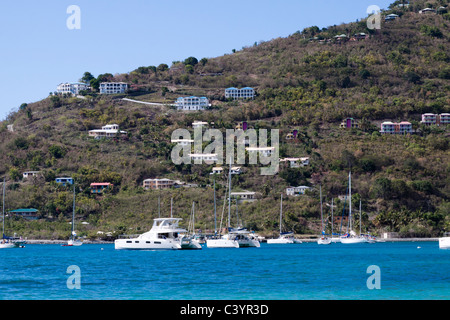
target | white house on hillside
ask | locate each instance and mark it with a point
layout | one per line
(244, 93)
(72, 88)
(113, 87)
(192, 103)
(108, 131)
(295, 191)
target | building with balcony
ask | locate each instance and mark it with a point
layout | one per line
(349, 123)
(158, 184)
(263, 151)
(64, 181)
(108, 131)
(435, 119)
(28, 214)
(113, 87)
(100, 187)
(295, 191)
(192, 103)
(389, 127)
(296, 162)
(244, 93)
(72, 88)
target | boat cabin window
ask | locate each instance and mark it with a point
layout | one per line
(129, 241)
(163, 235)
(157, 242)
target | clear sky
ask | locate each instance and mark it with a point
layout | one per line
(38, 51)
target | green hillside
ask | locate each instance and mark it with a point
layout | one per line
(303, 82)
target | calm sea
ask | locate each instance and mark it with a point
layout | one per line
(407, 270)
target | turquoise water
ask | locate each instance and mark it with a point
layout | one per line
(272, 272)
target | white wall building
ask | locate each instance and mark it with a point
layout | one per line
(113, 87)
(296, 162)
(30, 174)
(295, 191)
(72, 88)
(192, 103)
(208, 158)
(108, 131)
(244, 93)
(264, 151)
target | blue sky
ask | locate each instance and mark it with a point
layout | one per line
(38, 51)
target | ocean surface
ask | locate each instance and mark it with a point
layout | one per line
(307, 271)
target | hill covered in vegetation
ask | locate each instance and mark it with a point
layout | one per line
(309, 82)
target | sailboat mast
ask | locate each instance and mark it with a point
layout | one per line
(73, 212)
(359, 217)
(215, 217)
(332, 221)
(3, 209)
(229, 196)
(350, 199)
(171, 202)
(321, 209)
(281, 211)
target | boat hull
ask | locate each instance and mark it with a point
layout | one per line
(324, 241)
(221, 243)
(139, 244)
(353, 240)
(7, 245)
(444, 243)
(248, 243)
(280, 241)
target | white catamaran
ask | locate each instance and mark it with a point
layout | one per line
(285, 237)
(165, 234)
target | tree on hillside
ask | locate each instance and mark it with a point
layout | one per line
(87, 77)
(190, 61)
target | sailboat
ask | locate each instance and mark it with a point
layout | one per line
(323, 238)
(333, 239)
(351, 236)
(73, 242)
(285, 237)
(8, 242)
(236, 237)
(190, 239)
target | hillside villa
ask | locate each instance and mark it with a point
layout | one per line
(244, 196)
(435, 119)
(295, 191)
(113, 87)
(28, 214)
(108, 131)
(30, 174)
(403, 127)
(64, 180)
(99, 187)
(192, 103)
(296, 162)
(158, 184)
(72, 88)
(349, 123)
(244, 93)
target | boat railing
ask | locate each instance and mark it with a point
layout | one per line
(128, 236)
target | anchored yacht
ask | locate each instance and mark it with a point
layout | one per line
(165, 234)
